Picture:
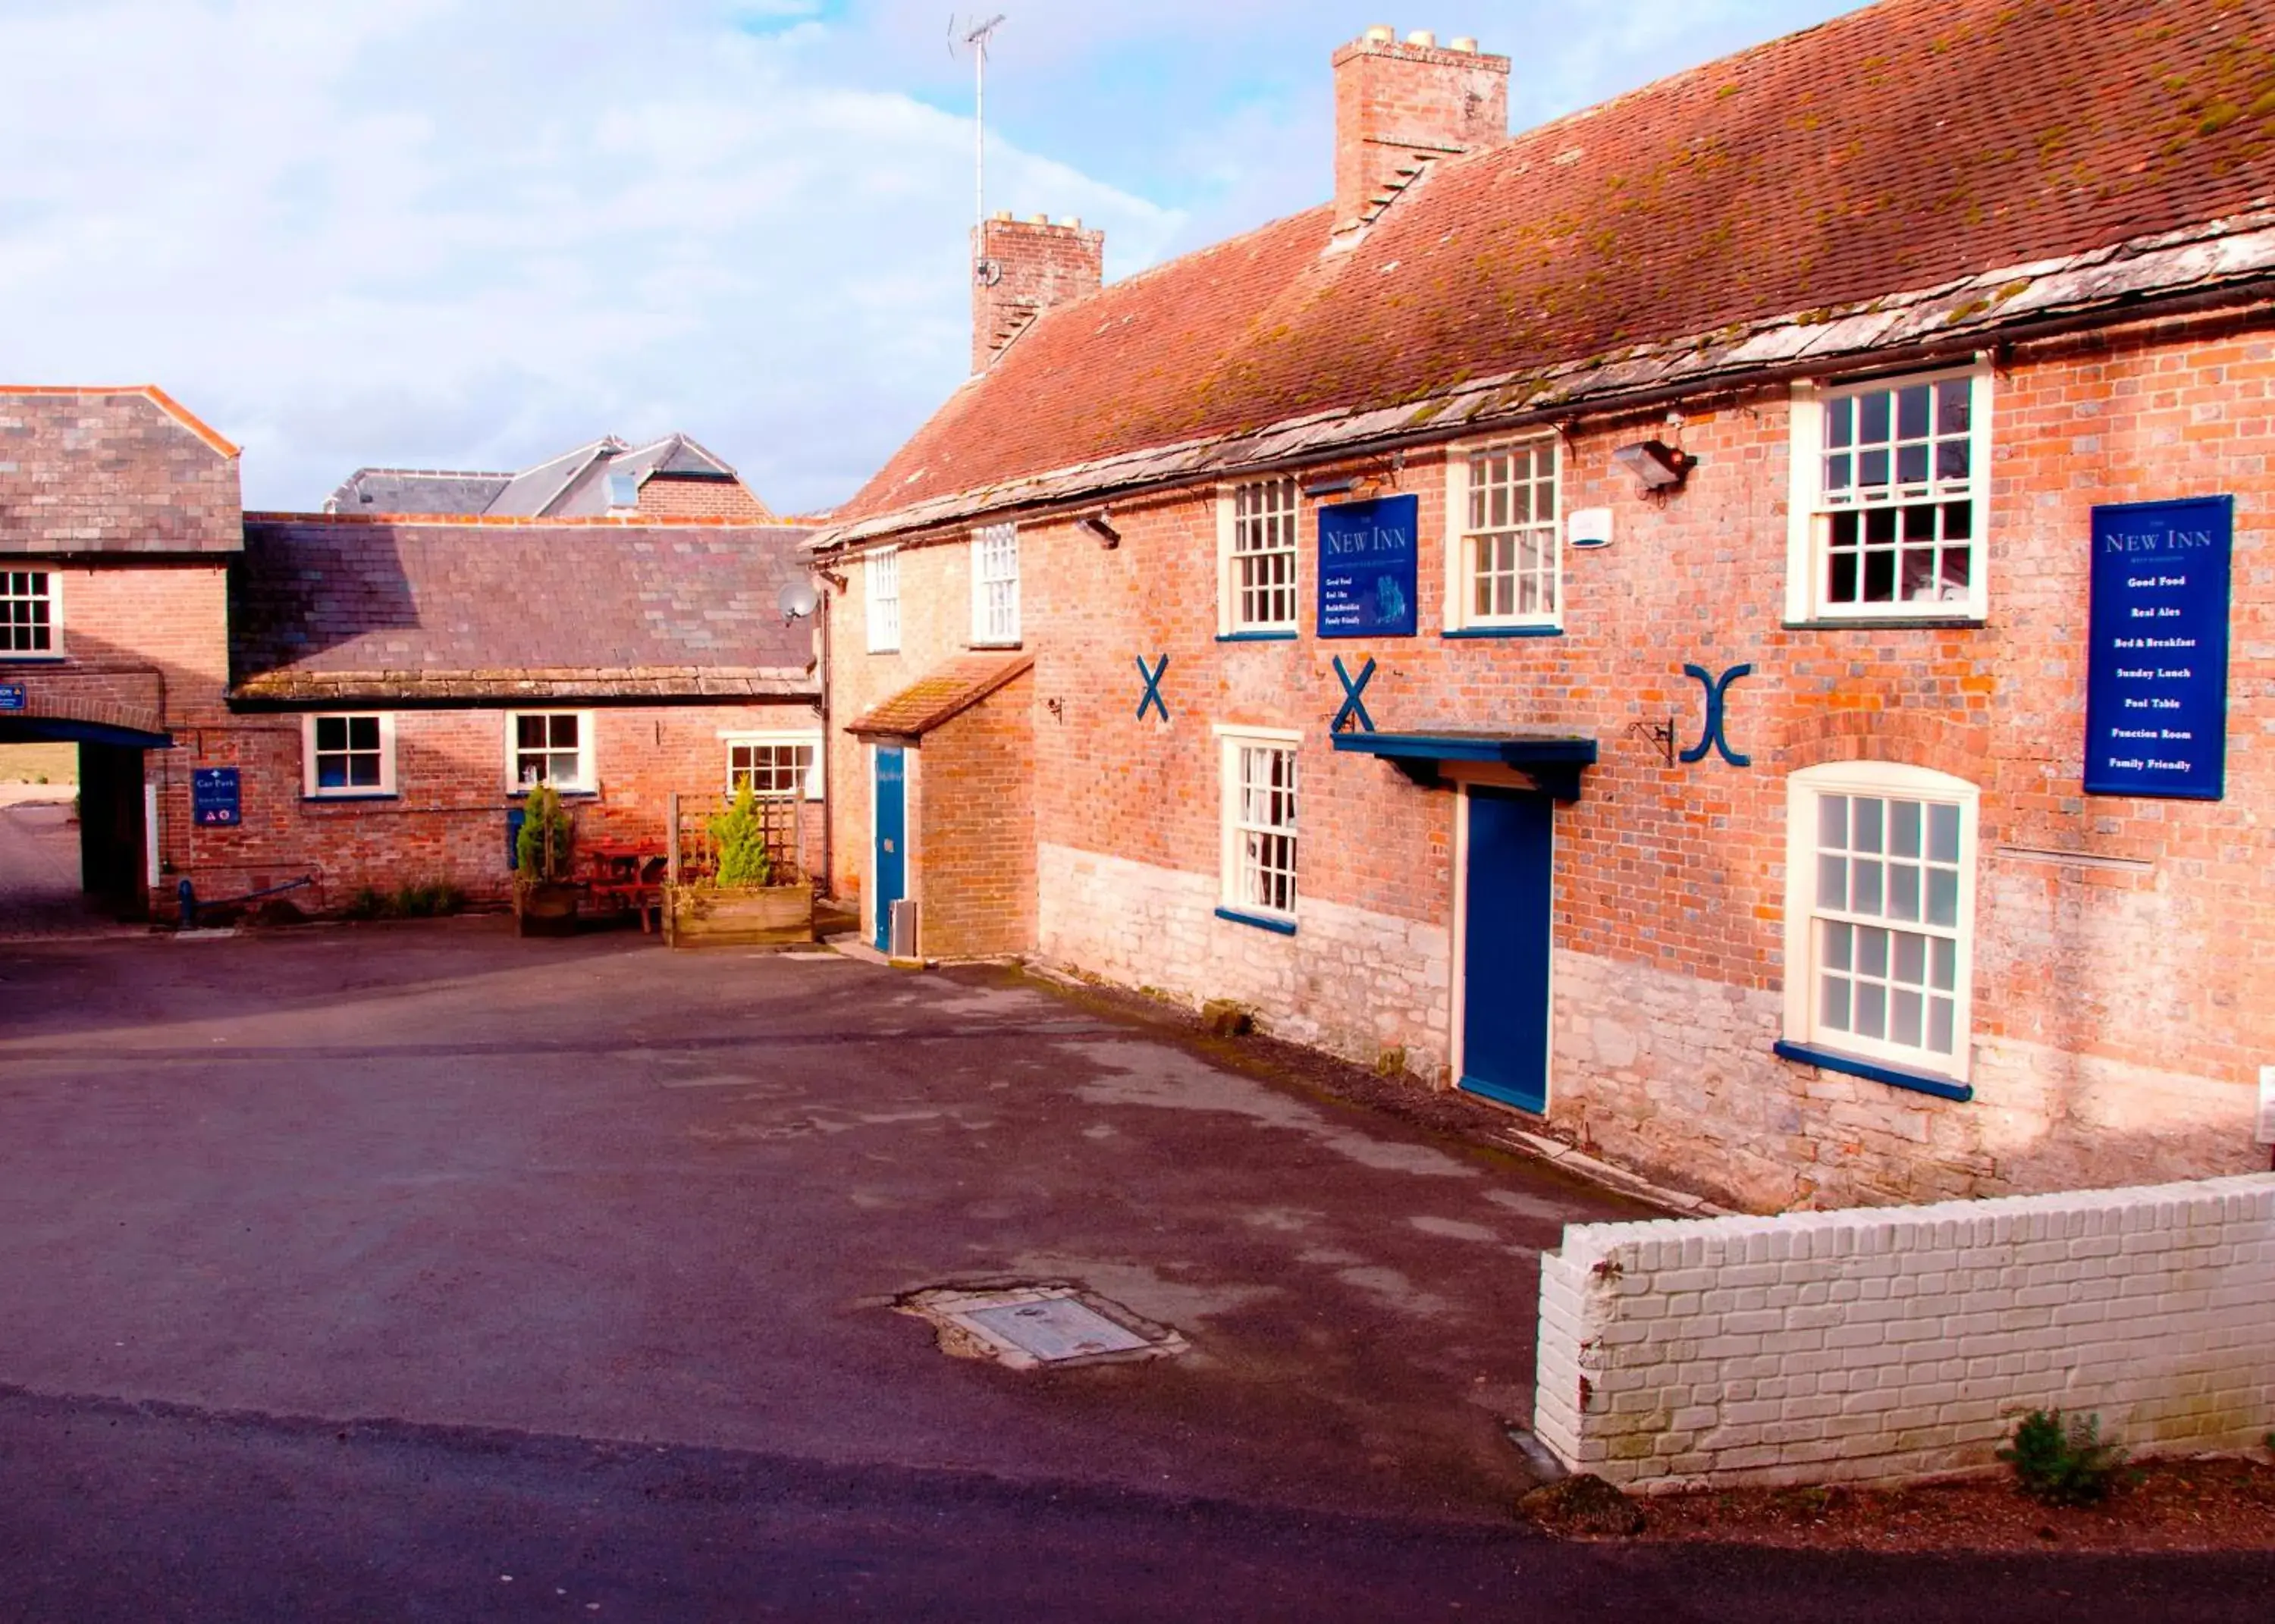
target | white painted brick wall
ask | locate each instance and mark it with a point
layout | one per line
(1900, 1342)
(1350, 982)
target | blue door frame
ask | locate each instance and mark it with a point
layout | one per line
(1510, 888)
(891, 863)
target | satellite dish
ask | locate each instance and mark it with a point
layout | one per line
(796, 601)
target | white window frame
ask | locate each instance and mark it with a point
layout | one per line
(1234, 890)
(1809, 515)
(588, 776)
(311, 785)
(1464, 540)
(881, 596)
(53, 597)
(1806, 922)
(995, 587)
(1254, 511)
(810, 790)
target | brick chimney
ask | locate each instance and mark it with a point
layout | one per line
(1397, 105)
(1023, 269)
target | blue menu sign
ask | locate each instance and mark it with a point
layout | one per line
(1369, 555)
(214, 797)
(12, 696)
(2156, 686)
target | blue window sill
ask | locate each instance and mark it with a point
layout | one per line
(1278, 927)
(1505, 631)
(1889, 622)
(321, 799)
(566, 795)
(1894, 1076)
(1255, 637)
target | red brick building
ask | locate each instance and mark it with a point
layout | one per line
(1717, 782)
(367, 699)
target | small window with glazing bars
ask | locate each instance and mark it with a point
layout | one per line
(1264, 557)
(27, 612)
(1509, 557)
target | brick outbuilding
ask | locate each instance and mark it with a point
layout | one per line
(350, 701)
(1606, 618)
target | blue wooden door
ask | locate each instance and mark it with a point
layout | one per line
(891, 867)
(1505, 955)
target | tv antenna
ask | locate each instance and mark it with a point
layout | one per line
(983, 268)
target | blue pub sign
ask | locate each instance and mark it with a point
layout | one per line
(2156, 692)
(1370, 557)
(214, 799)
(12, 696)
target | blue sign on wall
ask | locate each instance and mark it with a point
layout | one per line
(12, 696)
(1370, 553)
(214, 797)
(2156, 694)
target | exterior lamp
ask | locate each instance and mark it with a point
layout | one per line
(1656, 466)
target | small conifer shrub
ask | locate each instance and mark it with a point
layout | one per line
(2063, 1461)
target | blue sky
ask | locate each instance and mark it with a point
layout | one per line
(473, 233)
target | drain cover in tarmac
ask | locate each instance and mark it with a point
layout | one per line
(1026, 1327)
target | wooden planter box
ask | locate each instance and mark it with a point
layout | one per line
(704, 916)
(546, 908)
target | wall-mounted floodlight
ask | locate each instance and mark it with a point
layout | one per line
(1656, 466)
(1331, 487)
(1098, 526)
(796, 601)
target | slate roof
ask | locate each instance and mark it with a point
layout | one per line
(573, 485)
(940, 695)
(337, 609)
(112, 471)
(1907, 146)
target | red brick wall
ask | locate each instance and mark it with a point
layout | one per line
(448, 819)
(665, 497)
(976, 802)
(2117, 1026)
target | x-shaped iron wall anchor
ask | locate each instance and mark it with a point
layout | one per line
(1153, 699)
(1354, 709)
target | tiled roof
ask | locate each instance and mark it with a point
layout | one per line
(110, 470)
(1898, 148)
(332, 609)
(573, 485)
(940, 695)
(416, 490)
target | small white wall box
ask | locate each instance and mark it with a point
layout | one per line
(2267, 1105)
(1590, 527)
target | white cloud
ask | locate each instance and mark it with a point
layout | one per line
(475, 233)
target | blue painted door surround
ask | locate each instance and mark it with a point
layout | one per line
(891, 867)
(1510, 882)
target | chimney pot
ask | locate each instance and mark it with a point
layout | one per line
(1423, 37)
(1039, 219)
(1381, 33)
(1002, 214)
(1464, 43)
(1073, 223)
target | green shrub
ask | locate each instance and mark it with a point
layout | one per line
(740, 834)
(541, 851)
(364, 904)
(430, 900)
(2063, 1462)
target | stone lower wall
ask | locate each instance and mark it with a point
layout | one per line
(1352, 982)
(1897, 1343)
(1675, 1074)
